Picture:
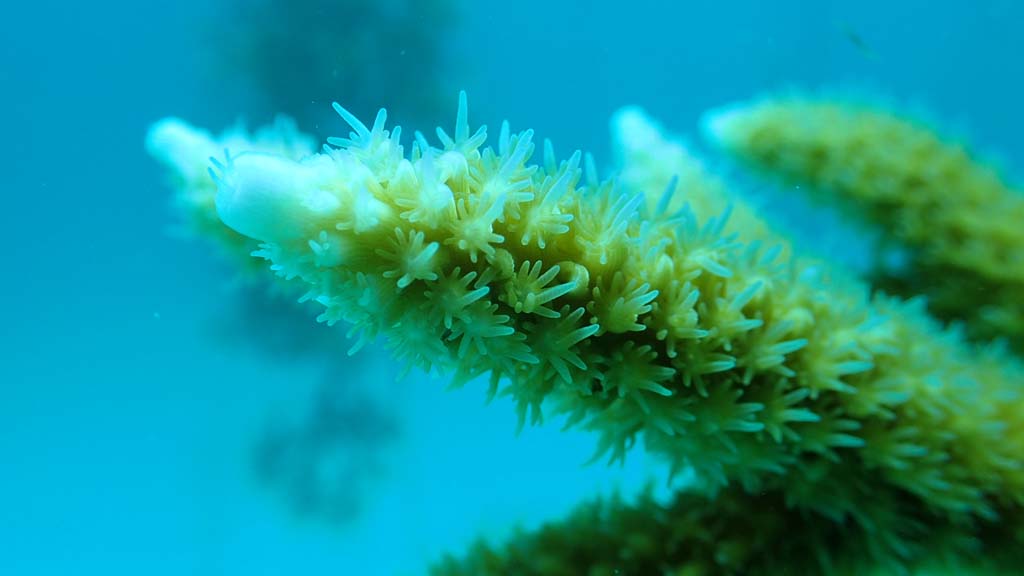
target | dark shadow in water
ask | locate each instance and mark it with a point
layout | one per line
(326, 465)
(322, 462)
(365, 54)
(275, 326)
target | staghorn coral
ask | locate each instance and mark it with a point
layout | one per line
(736, 532)
(779, 375)
(324, 467)
(185, 151)
(648, 160)
(959, 222)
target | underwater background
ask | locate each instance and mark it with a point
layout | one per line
(156, 419)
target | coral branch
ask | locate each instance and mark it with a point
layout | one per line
(186, 152)
(722, 355)
(735, 532)
(962, 225)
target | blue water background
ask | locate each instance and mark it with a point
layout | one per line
(126, 430)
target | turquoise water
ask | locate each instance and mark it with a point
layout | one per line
(143, 397)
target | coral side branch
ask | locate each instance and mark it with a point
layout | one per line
(961, 224)
(735, 532)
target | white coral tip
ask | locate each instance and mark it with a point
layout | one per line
(178, 144)
(721, 126)
(266, 197)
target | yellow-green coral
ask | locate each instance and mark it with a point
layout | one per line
(961, 223)
(186, 152)
(648, 160)
(720, 354)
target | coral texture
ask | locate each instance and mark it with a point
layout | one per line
(186, 152)
(636, 322)
(648, 160)
(959, 221)
(735, 532)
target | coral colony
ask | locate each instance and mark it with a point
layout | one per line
(830, 429)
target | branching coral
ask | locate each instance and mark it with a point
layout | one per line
(186, 152)
(735, 532)
(959, 221)
(322, 468)
(649, 161)
(779, 374)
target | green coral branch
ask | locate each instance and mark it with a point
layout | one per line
(959, 221)
(722, 355)
(695, 533)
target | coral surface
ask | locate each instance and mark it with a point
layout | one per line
(736, 532)
(961, 224)
(186, 153)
